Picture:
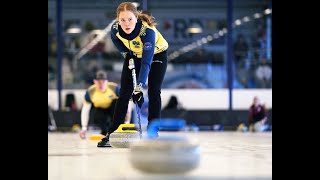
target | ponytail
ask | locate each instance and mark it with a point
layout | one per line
(148, 18)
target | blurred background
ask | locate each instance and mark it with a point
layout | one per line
(220, 56)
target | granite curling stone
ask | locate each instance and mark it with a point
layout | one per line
(165, 155)
(124, 136)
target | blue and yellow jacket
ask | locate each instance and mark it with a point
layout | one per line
(102, 99)
(143, 42)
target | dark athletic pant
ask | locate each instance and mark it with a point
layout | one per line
(103, 117)
(155, 79)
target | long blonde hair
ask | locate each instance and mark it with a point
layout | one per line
(128, 6)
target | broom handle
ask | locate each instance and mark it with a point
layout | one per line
(134, 78)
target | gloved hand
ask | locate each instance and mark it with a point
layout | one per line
(125, 55)
(137, 95)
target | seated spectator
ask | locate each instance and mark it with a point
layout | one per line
(173, 104)
(264, 74)
(257, 116)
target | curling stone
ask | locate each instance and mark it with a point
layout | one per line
(123, 136)
(167, 154)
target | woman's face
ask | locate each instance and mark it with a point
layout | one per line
(100, 84)
(256, 101)
(127, 21)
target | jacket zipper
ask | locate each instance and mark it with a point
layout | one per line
(130, 48)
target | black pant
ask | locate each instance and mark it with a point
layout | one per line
(102, 117)
(155, 79)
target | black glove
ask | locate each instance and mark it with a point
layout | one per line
(137, 95)
(126, 55)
